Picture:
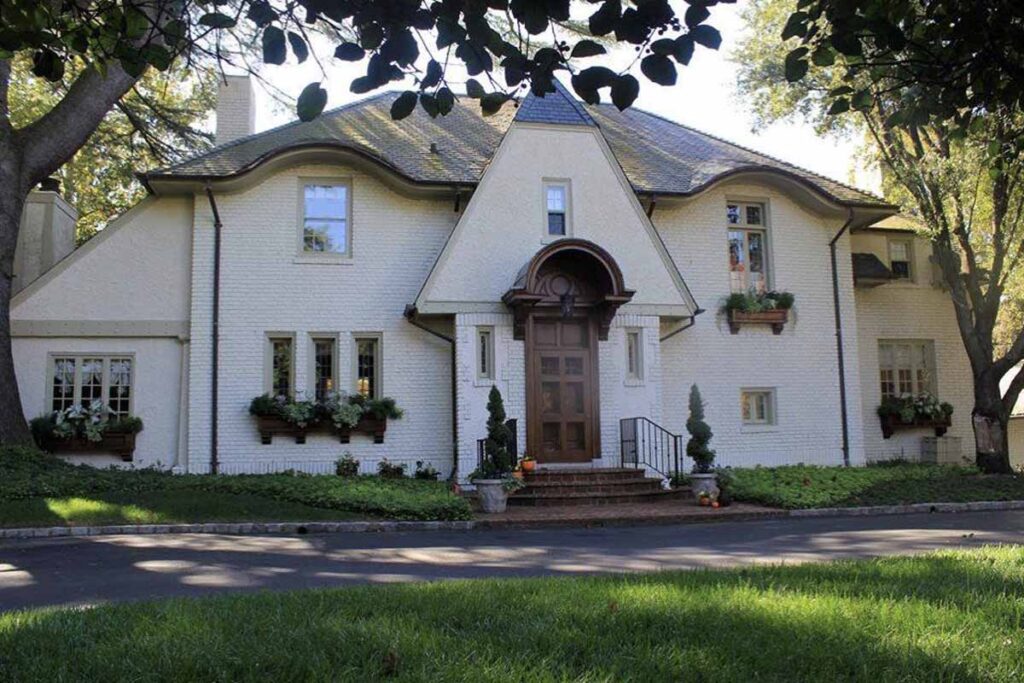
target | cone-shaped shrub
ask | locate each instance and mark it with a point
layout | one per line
(700, 434)
(497, 458)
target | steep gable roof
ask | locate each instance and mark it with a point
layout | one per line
(659, 156)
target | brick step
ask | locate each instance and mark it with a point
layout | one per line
(580, 499)
(550, 488)
(582, 476)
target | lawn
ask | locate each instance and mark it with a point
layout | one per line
(954, 616)
(799, 486)
(36, 489)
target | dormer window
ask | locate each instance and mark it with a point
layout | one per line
(900, 259)
(556, 196)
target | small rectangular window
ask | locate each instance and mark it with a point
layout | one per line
(325, 218)
(634, 355)
(557, 198)
(282, 363)
(757, 406)
(485, 353)
(368, 366)
(906, 367)
(748, 247)
(325, 361)
(900, 259)
(81, 380)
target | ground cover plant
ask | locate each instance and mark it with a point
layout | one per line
(803, 486)
(28, 475)
(954, 616)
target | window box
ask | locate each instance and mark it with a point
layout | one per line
(270, 426)
(368, 424)
(777, 318)
(113, 442)
(893, 423)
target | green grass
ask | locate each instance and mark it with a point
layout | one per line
(29, 480)
(800, 486)
(947, 617)
(159, 507)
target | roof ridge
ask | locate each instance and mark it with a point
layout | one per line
(536, 108)
(718, 138)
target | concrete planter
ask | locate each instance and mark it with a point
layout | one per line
(492, 494)
(706, 482)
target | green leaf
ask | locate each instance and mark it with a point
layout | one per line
(298, 46)
(261, 13)
(349, 52)
(274, 49)
(796, 66)
(823, 56)
(492, 102)
(659, 69)
(474, 89)
(625, 90)
(696, 14)
(445, 101)
(158, 56)
(429, 104)
(664, 46)
(796, 26)
(371, 36)
(861, 100)
(839, 106)
(46, 64)
(312, 101)
(433, 75)
(403, 105)
(684, 49)
(587, 48)
(362, 85)
(708, 36)
(603, 21)
(217, 20)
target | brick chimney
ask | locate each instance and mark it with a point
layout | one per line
(46, 236)
(236, 111)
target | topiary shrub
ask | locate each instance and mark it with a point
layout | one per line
(700, 435)
(497, 458)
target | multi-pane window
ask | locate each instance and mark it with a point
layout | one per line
(80, 380)
(368, 366)
(634, 355)
(281, 366)
(485, 353)
(325, 219)
(906, 367)
(325, 363)
(757, 406)
(900, 259)
(557, 199)
(748, 246)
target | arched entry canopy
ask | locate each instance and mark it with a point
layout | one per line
(572, 275)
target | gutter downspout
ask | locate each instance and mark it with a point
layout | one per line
(215, 332)
(839, 339)
(412, 315)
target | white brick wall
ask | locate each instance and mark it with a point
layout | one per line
(395, 242)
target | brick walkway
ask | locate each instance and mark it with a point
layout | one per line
(668, 512)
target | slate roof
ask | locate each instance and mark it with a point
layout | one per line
(658, 156)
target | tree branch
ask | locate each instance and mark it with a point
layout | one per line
(55, 137)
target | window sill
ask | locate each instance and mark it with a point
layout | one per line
(634, 382)
(484, 382)
(759, 429)
(323, 260)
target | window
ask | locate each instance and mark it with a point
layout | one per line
(80, 380)
(900, 258)
(906, 367)
(748, 246)
(368, 366)
(757, 406)
(325, 364)
(282, 365)
(634, 355)
(325, 214)
(485, 353)
(556, 196)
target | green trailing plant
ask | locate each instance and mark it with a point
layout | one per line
(78, 421)
(391, 470)
(344, 411)
(299, 413)
(700, 435)
(346, 466)
(382, 408)
(910, 407)
(265, 406)
(758, 302)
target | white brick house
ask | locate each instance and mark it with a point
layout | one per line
(576, 257)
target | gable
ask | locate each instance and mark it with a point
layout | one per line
(504, 224)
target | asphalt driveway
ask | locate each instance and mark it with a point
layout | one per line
(92, 570)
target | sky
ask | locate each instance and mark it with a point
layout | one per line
(704, 98)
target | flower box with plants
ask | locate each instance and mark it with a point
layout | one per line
(910, 411)
(752, 308)
(79, 429)
(493, 479)
(340, 414)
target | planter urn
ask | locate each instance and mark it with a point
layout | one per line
(704, 482)
(492, 495)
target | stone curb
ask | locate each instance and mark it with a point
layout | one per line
(293, 528)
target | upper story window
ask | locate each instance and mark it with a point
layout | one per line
(281, 371)
(556, 197)
(82, 379)
(901, 258)
(757, 406)
(748, 247)
(325, 366)
(325, 218)
(634, 355)
(906, 366)
(485, 353)
(368, 365)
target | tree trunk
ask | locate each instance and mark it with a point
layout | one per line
(13, 191)
(990, 418)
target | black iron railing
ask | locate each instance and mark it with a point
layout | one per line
(647, 444)
(513, 445)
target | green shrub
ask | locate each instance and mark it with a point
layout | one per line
(700, 434)
(426, 471)
(498, 462)
(346, 466)
(390, 470)
(265, 406)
